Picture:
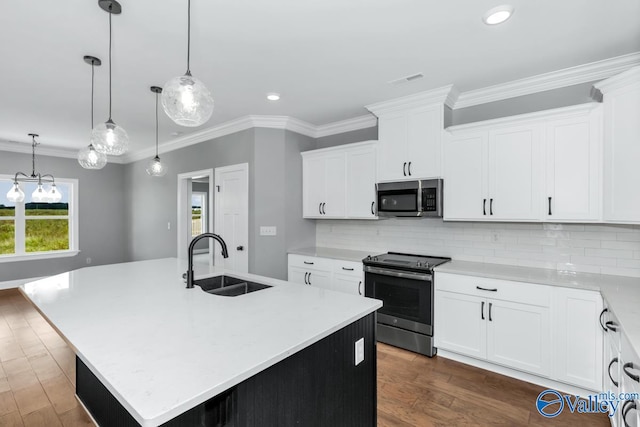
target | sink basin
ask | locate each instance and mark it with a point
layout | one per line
(229, 286)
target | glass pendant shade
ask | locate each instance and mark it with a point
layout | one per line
(54, 195)
(39, 195)
(15, 194)
(109, 138)
(187, 101)
(156, 168)
(90, 158)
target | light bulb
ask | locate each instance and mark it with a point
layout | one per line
(497, 15)
(54, 195)
(155, 167)
(15, 194)
(39, 195)
(187, 101)
(89, 158)
(109, 138)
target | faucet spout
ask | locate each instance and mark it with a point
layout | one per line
(192, 245)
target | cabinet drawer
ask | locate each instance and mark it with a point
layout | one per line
(348, 268)
(310, 262)
(505, 290)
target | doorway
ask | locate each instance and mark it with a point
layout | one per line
(195, 206)
(232, 215)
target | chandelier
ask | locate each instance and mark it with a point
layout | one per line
(39, 195)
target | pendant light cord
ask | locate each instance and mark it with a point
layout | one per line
(93, 65)
(188, 37)
(156, 125)
(110, 13)
(33, 156)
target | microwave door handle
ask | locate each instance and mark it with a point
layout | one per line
(420, 198)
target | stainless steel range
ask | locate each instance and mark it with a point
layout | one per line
(404, 283)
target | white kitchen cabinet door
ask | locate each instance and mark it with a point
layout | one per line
(320, 279)
(519, 336)
(578, 336)
(424, 142)
(392, 154)
(514, 173)
(335, 186)
(297, 275)
(465, 181)
(314, 183)
(361, 183)
(348, 284)
(460, 324)
(573, 162)
(622, 154)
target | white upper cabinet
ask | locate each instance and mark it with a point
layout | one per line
(621, 99)
(517, 168)
(410, 135)
(339, 182)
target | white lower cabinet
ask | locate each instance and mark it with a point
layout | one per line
(551, 332)
(332, 274)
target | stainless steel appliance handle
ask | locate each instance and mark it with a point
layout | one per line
(396, 273)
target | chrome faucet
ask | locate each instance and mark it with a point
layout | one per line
(225, 254)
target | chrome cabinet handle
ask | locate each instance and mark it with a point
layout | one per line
(372, 212)
(631, 375)
(490, 319)
(604, 328)
(484, 206)
(487, 289)
(614, 360)
(482, 311)
(360, 287)
(404, 169)
(409, 168)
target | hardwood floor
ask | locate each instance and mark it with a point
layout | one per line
(37, 383)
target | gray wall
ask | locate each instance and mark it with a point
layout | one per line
(366, 134)
(102, 227)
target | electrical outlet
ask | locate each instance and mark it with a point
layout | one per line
(168, 225)
(88, 260)
(268, 230)
(359, 351)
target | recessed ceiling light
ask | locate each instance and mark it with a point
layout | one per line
(497, 15)
(273, 96)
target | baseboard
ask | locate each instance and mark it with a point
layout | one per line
(523, 376)
(12, 284)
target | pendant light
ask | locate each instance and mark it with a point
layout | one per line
(185, 99)
(89, 157)
(40, 194)
(108, 137)
(155, 166)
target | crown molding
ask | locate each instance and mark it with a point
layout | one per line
(443, 95)
(342, 126)
(565, 112)
(629, 77)
(554, 80)
(66, 153)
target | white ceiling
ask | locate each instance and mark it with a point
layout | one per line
(328, 58)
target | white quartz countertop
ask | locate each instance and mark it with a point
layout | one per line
(162, 349)
(332, 253)
(621, 293)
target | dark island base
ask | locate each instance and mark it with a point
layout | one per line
(317, 386)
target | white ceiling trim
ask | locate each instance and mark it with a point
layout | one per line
(24, 147)
(631, 76)
(443, 95)
(554, 80)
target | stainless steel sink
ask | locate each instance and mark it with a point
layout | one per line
(229, 286)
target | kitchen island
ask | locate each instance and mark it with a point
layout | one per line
(151, 352)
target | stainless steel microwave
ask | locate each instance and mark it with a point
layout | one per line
(410, 198)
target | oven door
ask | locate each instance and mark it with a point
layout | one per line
(407, 298)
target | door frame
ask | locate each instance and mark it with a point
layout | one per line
(240, 167)
(182, 225)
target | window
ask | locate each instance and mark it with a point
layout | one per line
(198, 213)
(38, 230)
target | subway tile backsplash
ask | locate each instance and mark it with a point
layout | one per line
(606, 249)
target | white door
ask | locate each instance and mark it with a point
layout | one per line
(460, 324)
(334, 201)
(361, 183)
(519, 336)
(572, 172)
(232, 216)
(392, 154)
(514, 173)
(348, 284)
(465, 183)
(424, 127)
(313, 185)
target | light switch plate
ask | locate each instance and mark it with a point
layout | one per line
(268, 230)
(359, 351)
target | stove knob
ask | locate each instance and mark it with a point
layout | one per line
(419, 264)
(368, 258)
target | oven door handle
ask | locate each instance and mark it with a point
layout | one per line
(396, 273)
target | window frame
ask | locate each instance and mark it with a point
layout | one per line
(20, 220)
(203, 211)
